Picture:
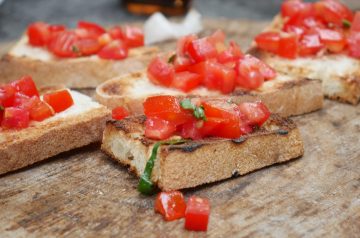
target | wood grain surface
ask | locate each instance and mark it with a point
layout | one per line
(83, 193)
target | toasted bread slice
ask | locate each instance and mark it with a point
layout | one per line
(339, 73)
(83, 72)
(79, 125)
(284, 95)
(200, 162)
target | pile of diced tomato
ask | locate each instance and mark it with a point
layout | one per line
(86, 39)
(172, 206)
(166, 117)
(20, 103)
(312, 28)
(208, 62)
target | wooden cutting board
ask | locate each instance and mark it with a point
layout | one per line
(82, 193)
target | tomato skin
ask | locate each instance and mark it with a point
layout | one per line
(119, 113)
(7, 95)
(268, 41)
(334, 41)
(160, 72)
(333, 11)
(159, 129)
(134, 36)
(88, 46)
(197, 214)
(354, 44)
(116, 33)
(166, 108)
(39, 110)
(26, 86)
(38, 33)
(310, 44)
(192, 130)
(15, 118)
(186, 81)
(256, 113)
(288, 46)
(115, 50)
(92, 28)
(63, 44)
(232, 54)
(201, 49)
(59, 100)
(171, 205)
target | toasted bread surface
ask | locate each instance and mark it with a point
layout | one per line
(284, 95)
(339, 73)
(200, 162)
(80, 125)
(83, 72)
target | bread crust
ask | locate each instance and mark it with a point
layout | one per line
(287, 98)
(342, 87)
(200, 162)
(84, 72)
(45, 139)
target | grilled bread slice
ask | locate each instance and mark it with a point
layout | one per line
(79, 125)
(200, 162)
(284, 95)
(84, 72)
(339, 73)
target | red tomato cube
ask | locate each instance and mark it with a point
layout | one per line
(115, 50)
(171, 205)
(310, 44)
(355, 26)
(333, 11)
(160, 72)
(268, 41)
(201, 49)
(38, 34)
(59, 100)
(354, 44)
(158, 129)
(334, 41)
(288, 46)
(40, 110)
(15, 118)
(197, 214)
(256, 113)
(134, 36)
(119, 113)
(7, 95)
(26, 86)
(186, 81)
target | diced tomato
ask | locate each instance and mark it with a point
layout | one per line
(355, 26)
(297, 30)
(56, 28)
(40, 110)
(333, 11)
(354, 44)
(256, 113)
(265, 70)
(7, 95)
(160, 72)
(134, 36)
(88, 46)
(186, 81)
(21, 100)
(159, 129)
(232, 54)
(26, 86)
(38, 33)
(217, 39)
(104, 39)
(119, 113)
(288, 46)
(181, 63)
(15, 118)
(201, 49)
(334, 41)
(59, 100)
(310, 44)
(63, 44)
(171, 205)
(92, 28)
(268, 41)
(192, 130)
(290, 8)
(183, 43)
(197, 214)
(116, 33)
(115, 50)
(167, 108)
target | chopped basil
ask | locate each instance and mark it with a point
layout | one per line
(75, 49)
(146, 186)
(172, 59)
(346, 23)
(198, 112)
